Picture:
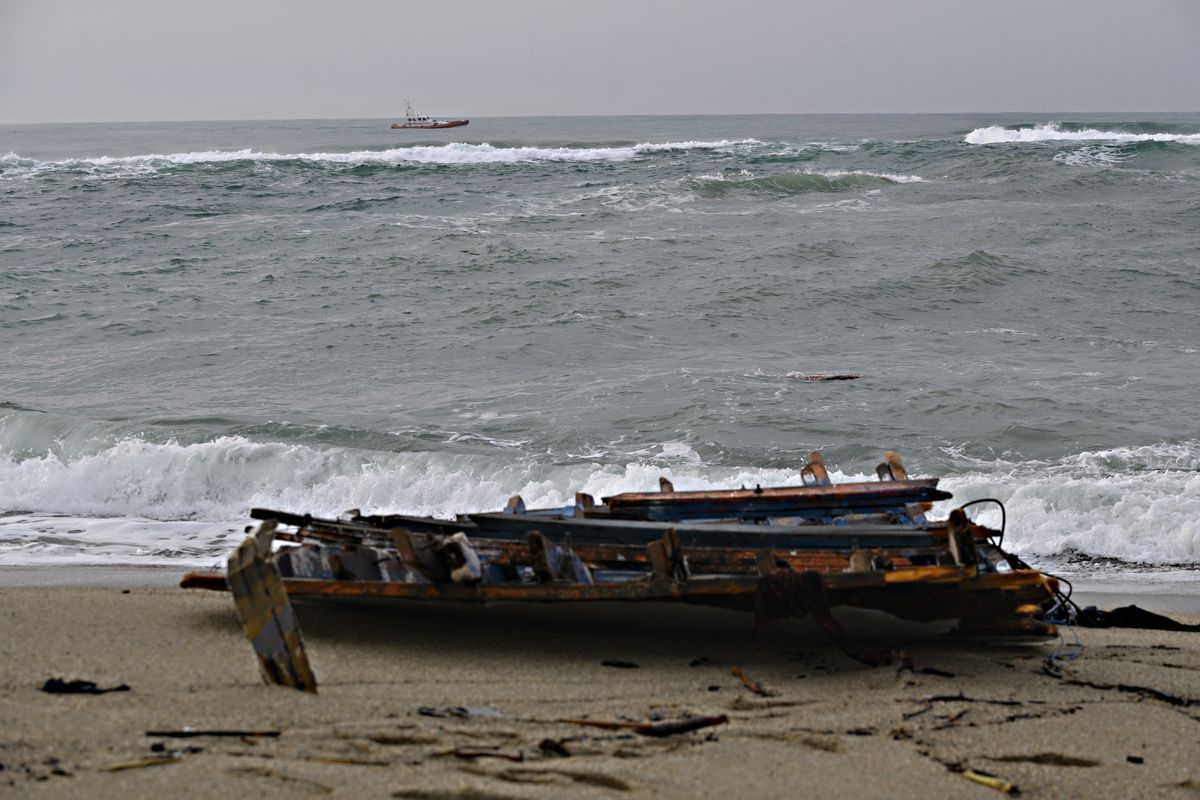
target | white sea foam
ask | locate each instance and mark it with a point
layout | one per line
(450, 154)
(143, 502)
(832, 174)
(1138, 504)
(1102, 155)
(719, 145)
(57, 540)
(1052, 132)
(890, 177)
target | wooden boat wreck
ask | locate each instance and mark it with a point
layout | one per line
(776, 552)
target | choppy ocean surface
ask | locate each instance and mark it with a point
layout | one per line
(198, 318)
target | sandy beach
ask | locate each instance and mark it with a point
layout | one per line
(1120, 720)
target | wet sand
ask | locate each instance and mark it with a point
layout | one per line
(1122, 719)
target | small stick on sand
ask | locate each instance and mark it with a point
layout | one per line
(653, 729)
(751, 684)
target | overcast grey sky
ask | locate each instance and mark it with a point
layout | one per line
(168, 60)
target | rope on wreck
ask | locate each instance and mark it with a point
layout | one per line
(1064, 613)
(1070, 611)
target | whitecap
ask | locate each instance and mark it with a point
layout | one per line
(454, 153)
(1052, 132)
(890, 177)
(1134, 504)
(169, 502)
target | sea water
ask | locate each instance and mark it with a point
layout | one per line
(200, 318)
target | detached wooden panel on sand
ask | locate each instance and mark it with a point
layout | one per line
(262, 603)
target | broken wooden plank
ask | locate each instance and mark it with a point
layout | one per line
(552, 562)
(590, 531)
(810, 500)
(267, 616)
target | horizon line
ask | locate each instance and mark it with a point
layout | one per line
(600, 116)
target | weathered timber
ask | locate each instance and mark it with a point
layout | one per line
(777, 552)
(368, 526)
(816, 500)
(641, 533)
(667, 559)
(919, 593)
(267, 616)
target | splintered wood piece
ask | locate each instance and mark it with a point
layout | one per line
(659, 563)
(552, 562)
(665, 485)
(813, 473)
(417, 552)
(266, 614)
(570, 565)
(539, 555)
(263, 537)
(667, 558)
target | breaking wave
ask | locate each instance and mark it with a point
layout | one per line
(793, 183)
(1135, 504)
(450, 154)
(1054, 132)
(130, 500)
